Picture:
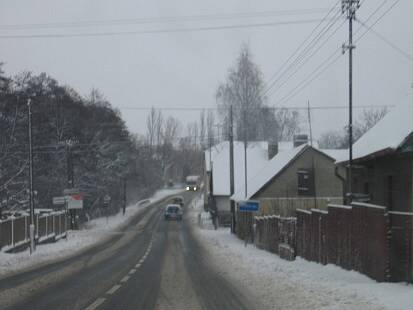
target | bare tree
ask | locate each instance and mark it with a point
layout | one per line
(339, 139)
(202, 130)
(244, 91)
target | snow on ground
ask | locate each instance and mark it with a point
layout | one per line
(300, 284)
(94, 231)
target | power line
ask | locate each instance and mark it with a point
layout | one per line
(173, 30)
(281, 72)
(377, 20)
(308, 58)
(301, 45)
(331, 107)
(311, 77)
(166, 19)
(316, 73)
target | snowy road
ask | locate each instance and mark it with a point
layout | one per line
(150, 264)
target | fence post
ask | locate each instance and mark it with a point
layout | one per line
(37, 226)
(25, 228)
(12, 231)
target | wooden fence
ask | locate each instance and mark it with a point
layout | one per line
(14, 232)
(354, 237)
(362, 237)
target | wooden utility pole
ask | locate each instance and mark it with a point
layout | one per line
(349, 7)
(31, 227)
(124, 195)
(231, 167)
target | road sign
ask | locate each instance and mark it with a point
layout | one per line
(106, 200)
(249, 206)
(59, 200)
(75, 201)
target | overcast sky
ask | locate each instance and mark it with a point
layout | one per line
(183, 69)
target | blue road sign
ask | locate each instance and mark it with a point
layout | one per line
(249, 206)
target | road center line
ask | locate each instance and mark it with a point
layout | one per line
(137, 265)
(113, 289)
(124, 279)
(132, 271)
(96, 304)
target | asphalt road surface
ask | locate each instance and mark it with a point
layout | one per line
(150, 264)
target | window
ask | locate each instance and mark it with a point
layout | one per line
(305, 182)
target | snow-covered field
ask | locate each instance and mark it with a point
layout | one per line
(300, 284)
(94, 231)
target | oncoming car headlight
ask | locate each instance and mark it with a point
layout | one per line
(187, 188)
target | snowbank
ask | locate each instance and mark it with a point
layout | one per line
(95, 231)
(300, 284)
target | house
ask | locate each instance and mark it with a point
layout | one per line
(217, 172)
(302, 172)
(383, 161)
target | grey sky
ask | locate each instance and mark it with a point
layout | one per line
(184, 69)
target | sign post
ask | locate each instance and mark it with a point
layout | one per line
(74, 201)
(106, 203)
(249, 206)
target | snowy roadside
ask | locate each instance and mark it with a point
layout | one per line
(300, 284)
(95, 231)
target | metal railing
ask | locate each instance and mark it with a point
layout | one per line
(14, 231)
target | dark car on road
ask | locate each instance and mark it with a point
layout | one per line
(178, 200)
(173, 211)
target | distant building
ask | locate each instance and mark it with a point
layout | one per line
(217, 172)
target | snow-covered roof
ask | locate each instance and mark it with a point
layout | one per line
(273, 167)
(257, 156)
(389, 133)
(213, 152)
(267, 172)
(285, 146)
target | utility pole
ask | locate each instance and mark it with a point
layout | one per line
(245, 153)
(70, 178)
(309, 122)
(349, 7)
(231, 167)
(124, 195)
(31, 227)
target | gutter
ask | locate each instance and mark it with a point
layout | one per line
(343, 180)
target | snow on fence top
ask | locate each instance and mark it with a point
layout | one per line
(401, 213)
(303, 211)
(319, 211)
(367, 205)
(340, 206)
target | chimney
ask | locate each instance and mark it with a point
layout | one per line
(272, 149)
(300, 140)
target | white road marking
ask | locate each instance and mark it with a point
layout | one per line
(113, 289)
(124, 279)
(132, 271)
(138, 265)
(96, 304)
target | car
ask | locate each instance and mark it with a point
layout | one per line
(173, 211)
(178, 200)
